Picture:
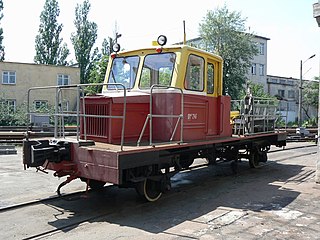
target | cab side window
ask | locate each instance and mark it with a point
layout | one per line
(194, 74)
(210, 79)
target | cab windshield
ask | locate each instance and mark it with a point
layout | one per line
(124, 71)
(157, 69)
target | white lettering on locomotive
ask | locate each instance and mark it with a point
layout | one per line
(192, 116)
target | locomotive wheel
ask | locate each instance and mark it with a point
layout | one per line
(254, 159)
(96, 185)
(263, 156)
(149, 189)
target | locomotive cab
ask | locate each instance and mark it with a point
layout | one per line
(172, 94)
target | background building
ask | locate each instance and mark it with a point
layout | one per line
(17, 78)
(258, 72)
(287, 90)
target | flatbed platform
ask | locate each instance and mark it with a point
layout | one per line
(145, 147)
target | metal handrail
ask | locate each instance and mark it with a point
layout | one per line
(78, 114)
(150, 116)
(250, 117)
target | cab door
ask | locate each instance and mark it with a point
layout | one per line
(212, 100)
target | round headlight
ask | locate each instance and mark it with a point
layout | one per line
(162, 40)
(116, 47)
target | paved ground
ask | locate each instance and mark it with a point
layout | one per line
(277, 201)
(19, 185)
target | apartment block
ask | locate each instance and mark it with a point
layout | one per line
(258, 71)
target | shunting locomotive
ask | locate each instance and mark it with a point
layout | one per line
(159, 109)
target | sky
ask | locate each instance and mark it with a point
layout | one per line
(293, 32)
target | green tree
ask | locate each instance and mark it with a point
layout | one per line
(310, 96)
(99, 67)
(83, 40)
(48, 42)
(97, 74)
(257, 90)
(107, 46)
(223, 33)
(1, 32)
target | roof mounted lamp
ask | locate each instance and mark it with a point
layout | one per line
(116, 47)
(162, 40)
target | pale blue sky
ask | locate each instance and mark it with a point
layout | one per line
(289, 24)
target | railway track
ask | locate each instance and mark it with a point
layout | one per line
(16, 134)
(286, 149)
(67, 197)
(17, 137)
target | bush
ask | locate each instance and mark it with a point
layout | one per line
(19, 117)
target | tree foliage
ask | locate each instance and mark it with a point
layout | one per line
(257, 90)
(310, 96)
(1, 34)
(97, 74)
(84, 39)
(223, 33)
(99, 66)
(48, 42)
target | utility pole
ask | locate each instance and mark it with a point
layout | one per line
(316, 15)
(300, 93)
(300, 98)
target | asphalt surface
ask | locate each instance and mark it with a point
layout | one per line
(280, 200)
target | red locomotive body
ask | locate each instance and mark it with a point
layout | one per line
(109, 130)
(160, 108)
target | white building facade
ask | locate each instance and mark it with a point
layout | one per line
(258, 72)
(287, 90)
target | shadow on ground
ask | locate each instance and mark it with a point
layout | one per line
(193, 195)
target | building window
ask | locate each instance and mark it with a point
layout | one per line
(9, 104)
(63, 79)
(8, 77)
(254, 69)
(64, 105)
(261, 48)
(194, 77)
(40, 104)
(272, 80)
(291, 94)
(283, 106)
(283, 82)
(292, 106)
(261, 69)
(290, 82)
(281, 93)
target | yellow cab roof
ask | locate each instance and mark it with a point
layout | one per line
(173, 48)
